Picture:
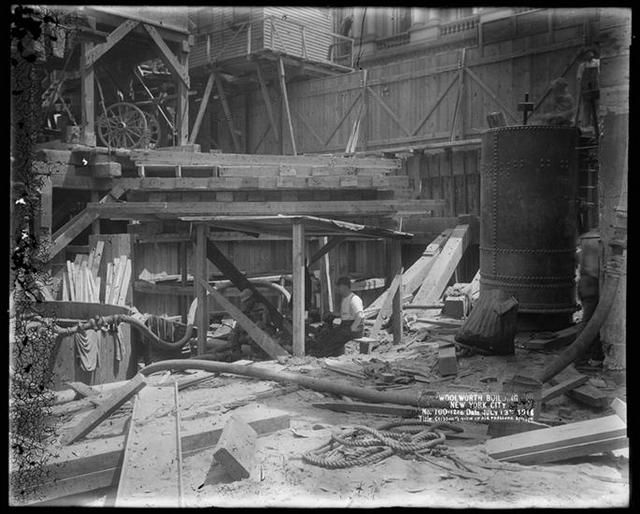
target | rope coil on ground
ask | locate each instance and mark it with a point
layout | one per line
(365, 445)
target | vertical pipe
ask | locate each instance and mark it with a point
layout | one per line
(298, 288)
(396, 266)
(200, 258)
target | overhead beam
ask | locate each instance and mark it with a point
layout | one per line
(264, 341)
(175, 67)
(112, 39)
(126, 210)
(331, 244)
(240, 280)
(202, 109)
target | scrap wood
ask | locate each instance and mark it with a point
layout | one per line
(108, 406)
(235, 450)
(560, 442)
(563, 387)
(95, 464)
(555, 339)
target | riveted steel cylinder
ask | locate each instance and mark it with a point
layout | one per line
(528, 219)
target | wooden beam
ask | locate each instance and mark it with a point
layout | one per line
(285, 99)
(435, 105)
(445, 264)
(227, 111)
(308, 126)
(386, 308)
(267, 101)
(560, 442)
(178, 69)
(135, 210)
(557, 340)
(239, 279)
(182, 103)
(326, 286)
(70, 230)
(327, 247)
(370, 408)
(200, 261)
(298, 298)
(389, 111)
(563, 387)
(151, 474)
(114, 401)
(202, 109)
(112, 39)
(493, 96)
(396, 268)
(263, 340)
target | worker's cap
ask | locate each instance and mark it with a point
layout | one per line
(344, 281)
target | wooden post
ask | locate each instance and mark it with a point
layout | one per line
(87, 79)
(95, 226)
(396, 267)
(326, 289)
(365, 110)
(46, 207)
(183, 277)
(182, 111)
(298, 288)
(285, 99)
(202, 314)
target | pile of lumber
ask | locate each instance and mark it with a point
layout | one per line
(117, 280)
(81, 282)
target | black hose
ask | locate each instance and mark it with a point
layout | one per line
(592, 327)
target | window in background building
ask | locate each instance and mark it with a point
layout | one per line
(401, 20)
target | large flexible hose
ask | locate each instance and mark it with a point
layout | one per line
(592, 327)
(317, 384)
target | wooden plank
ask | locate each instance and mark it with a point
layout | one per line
(589, 395)
(264, 341)
(236, 448)
(109, 280)
(446, 262)
(330, 245)
(168, 57)
(620, 408)
(389, 111)
(397, 269)
(150, 470)
(435, 105)
(97, 258)
(563, 387)
(83, 390)
(386, 307)
(108, 407)
(202, 109)
(96, 463)
(559, 339)
(126, 210)
(593, 430)
(124, 286)
(259, 160)
(298, 297)
(112, 39)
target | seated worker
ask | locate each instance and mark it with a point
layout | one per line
(560, 109)
(330, 343)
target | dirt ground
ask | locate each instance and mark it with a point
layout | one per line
(281, 478)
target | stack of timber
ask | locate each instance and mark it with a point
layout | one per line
(81, 283)
(117, 280)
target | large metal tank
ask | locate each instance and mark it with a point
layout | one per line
(528, 221)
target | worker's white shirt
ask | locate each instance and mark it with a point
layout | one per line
(351, 305)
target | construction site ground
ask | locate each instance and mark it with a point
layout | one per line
(281, 478)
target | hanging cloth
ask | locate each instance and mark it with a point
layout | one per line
(87, 350)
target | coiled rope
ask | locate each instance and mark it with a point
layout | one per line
(365, 445)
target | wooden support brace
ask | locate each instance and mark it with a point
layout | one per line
(396, 267)
(389, 111)
(112, 39)
(178, 69)
(227, 111)
(285, 98)
(263, 340)
(493, 96)
(202, 109)
(435, 105)
(267, 101)
(330, 245)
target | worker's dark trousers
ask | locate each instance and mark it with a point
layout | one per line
(333, 343)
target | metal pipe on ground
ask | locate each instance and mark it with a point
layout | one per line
(417, 400)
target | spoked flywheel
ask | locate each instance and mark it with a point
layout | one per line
(124, 125)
